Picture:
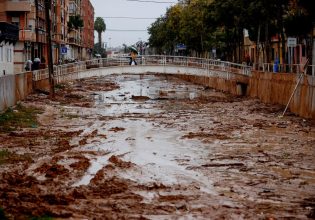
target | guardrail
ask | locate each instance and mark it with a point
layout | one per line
(156, 60)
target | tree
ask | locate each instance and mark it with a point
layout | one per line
(230, 16)
(302, 12)
(75, 22)
(158, 34)
(195, 31)
(99, 50)
(99, 27)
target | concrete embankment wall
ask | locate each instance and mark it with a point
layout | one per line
(268, 88)
(277, 89)
(14, 88)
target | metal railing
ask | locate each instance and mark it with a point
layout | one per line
(283, 68)
(155, 60)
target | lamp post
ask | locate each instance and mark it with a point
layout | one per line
(49, 49)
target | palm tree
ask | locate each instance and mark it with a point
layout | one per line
(99, 26)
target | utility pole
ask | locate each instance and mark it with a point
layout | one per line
(49, 49)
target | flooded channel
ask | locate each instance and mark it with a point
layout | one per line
(156, 147)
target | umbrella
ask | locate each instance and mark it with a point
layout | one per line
(133, 49)
(36, 59)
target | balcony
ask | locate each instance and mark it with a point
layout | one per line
(27, 35)
(74, 41)
(21, 5)
(9, 32)
(41, 38)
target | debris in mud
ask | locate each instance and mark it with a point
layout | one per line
(162, 93)
(117, 129)
(235, 164)
(205, 135)
(140, 98)
(74, 96)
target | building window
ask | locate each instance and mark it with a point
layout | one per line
(9, 55)
(1, 53)
(16, 21)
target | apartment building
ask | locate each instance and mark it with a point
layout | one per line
(29, 17)
(59, 19)
(9, 34)
(88, 29)
(18, 13)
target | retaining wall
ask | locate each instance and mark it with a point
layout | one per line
(14, 88)
(268, 88)
(277, 89)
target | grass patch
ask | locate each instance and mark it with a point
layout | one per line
(9, 157)
(19, 117)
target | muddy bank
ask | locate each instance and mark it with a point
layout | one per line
(156, 147)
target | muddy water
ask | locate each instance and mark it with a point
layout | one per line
(147, 144)
(155, 147)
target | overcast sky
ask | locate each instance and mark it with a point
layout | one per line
(128, 8)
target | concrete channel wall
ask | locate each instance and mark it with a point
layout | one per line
(14, 88)
(268, 87)
(277, 89)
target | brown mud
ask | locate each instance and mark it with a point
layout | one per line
(156, 147)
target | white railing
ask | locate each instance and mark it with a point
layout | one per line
(156, 60)
(283, 68)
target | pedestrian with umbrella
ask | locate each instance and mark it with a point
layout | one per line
(133, 56)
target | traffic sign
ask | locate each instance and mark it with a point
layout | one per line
(291, 41)
(181, 47)
(63, 50)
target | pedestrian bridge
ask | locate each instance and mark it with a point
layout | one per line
(148, 64)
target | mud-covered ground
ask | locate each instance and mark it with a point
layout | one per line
(155, 147)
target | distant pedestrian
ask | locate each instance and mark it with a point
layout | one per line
(28, 65)
(276, 65)
(35, 65)
(133, 57)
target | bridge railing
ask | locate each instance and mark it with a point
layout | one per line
(160, 60)
(283, 68)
